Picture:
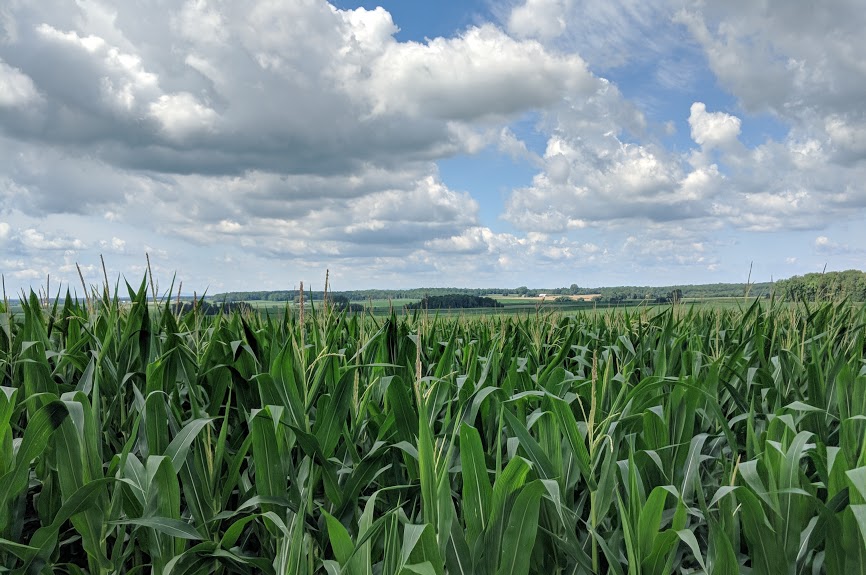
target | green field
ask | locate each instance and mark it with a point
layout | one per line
(511, 306)
(644, 440)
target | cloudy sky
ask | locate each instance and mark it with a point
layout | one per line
(251, 144)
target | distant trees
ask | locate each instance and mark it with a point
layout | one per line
(342, 303)
(454, 301)
(673, 296)
(825, 286)
(207, 308)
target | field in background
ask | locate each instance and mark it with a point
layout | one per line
(681, 439)
(511, 305)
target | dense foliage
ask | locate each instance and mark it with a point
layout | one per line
(454, 301)
(134, 440)
(830, 285)
(207, 308)
(650, 293)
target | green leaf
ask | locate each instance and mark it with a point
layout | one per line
(427, 466)
(270, 478)
(859, 512)
(688, 537)
(650, 520)
(178, 449)
(477, 491)
(575, 440)
(425, 568)
(165, 525)
(520, 532)
(41, 426)
(420, 546)
(542, 465)
(341, 543)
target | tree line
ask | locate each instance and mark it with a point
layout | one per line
(454, 301)
(612, 294)
(825, 286)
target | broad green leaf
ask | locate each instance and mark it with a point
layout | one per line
(166, 526)
(521, 530)
(39, 430)
(341, 543)
(477, 491)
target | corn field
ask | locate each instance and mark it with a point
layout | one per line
(137, 440)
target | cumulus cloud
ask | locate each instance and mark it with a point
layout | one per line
(825, 246)
(284, 128)
(846, 136)
(480, 250)
(115, 245)
(35, 240)
(544, 19)
(16, 88)
(599, 173)
(794, 60)
(289, 88)
(713, 129)
(181, 115)
(473, 76)
(592, 174)
(608, 35)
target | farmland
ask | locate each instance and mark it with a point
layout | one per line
(383, 308)
(659, 440)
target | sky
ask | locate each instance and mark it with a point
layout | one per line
(254, 144)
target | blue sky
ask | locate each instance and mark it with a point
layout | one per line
(253, 144)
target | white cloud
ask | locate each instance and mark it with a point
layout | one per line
(825, 246)
(545, 19)
(713, 129)
(89, 43)
(5, 228)
(796, 61)
(846, 136)
(780, 54)
(510, 144)
(591, 176)
(16, 88)
(36, 240)
(201, 21)
(293, 132)
(607, 34)
(26, 274)
(115, 245)
(181, 115)
(299, 88)
(481, 73)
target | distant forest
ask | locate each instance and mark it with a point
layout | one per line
(825, 286)
(454, 301)
(611, 294)
(206, 308)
